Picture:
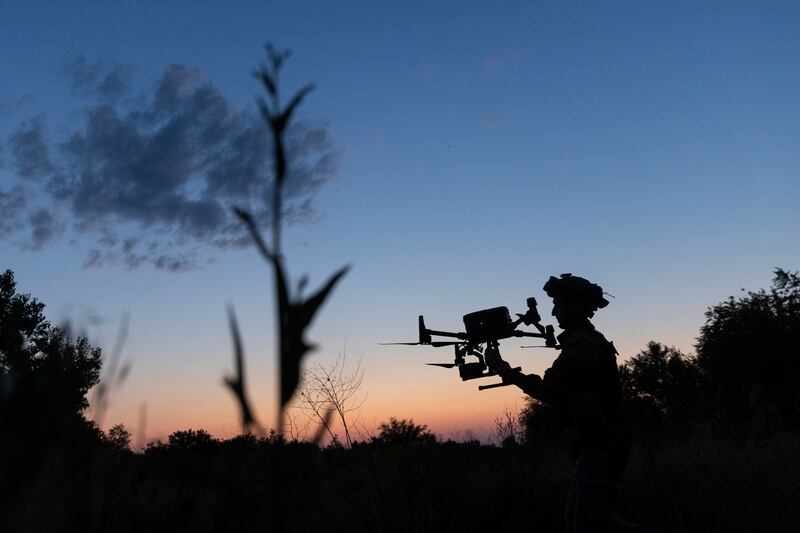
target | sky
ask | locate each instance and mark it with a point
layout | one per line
(456, 154)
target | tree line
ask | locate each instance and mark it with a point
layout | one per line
(745, 370)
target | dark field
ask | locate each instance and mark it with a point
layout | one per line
(700, 482)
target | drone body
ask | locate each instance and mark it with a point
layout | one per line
(484, 329)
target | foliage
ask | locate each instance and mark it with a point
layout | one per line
(403, 432)
(22, 326)
(41, 367)
(749, 348)
(190, 440)
(119, 437)
(663, 378)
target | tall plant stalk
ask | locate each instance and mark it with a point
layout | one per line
(294, 313)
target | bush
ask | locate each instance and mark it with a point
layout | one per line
(191, 440)
(119, 437)
(403, 432)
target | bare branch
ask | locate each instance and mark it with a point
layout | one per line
(334, 387)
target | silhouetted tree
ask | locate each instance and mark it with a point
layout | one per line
(190, 440)
(749, 348)
(44, 378)
(22, 324)
(119, 437)
(43, 371)
(403, 432)
(664, 379)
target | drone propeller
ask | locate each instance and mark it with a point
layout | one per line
(443, 365)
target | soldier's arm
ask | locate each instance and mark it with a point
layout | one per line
(531, 384)
(570, 382)
(561, 376)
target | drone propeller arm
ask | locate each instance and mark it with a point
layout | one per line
(545, 333)
(529, 334)
(462, 336)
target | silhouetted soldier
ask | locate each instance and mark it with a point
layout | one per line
(583, 387)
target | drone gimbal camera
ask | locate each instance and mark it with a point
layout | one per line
(483, 331)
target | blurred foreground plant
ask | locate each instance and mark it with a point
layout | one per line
(294, 312)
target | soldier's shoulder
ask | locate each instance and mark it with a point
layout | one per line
(589, 339)
(597, 336)
(588, 335)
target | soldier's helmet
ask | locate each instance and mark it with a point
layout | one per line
(575, 289)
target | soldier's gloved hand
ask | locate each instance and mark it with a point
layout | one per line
(533, 385)
(493, 360)
(534, 380)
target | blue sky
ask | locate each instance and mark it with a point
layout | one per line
(481, 148)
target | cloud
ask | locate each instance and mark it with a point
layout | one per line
(109, 81)
(10, 106)
(12, 205)
(44, 228)
(153, 180)
(29, 150)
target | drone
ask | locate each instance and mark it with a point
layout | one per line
(484, 329)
